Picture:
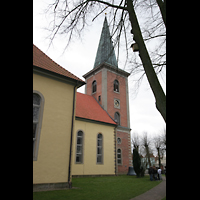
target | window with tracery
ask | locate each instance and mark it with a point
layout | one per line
(79, 147)
(99, 148)
(38, 102)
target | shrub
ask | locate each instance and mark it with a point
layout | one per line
(137, 165)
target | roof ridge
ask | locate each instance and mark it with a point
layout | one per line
(88, 107)
(104, 109)
(54, 61)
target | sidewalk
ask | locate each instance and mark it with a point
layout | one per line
(156, 193)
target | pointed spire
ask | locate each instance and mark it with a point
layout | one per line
(105, 52)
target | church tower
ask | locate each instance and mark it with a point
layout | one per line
(108, 84)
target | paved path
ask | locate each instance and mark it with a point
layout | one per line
(156, 193)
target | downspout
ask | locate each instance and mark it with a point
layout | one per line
(116, 167)
(72, 127)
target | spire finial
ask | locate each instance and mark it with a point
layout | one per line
(105, 14)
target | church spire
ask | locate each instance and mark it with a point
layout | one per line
(105, 52)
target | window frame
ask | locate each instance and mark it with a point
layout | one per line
(79, 145)
(119, 142)
(120, 156)
(116, 86)
(38, 125)
(117, 113)
(94, 86)
(99, 163)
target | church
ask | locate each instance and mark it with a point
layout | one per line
(77, 134)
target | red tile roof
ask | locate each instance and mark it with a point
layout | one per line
(88, 108)
(41, 60)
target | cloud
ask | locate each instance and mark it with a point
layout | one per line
(79, 59)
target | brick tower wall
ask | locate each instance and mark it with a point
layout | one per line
(125, 146)
(98, 78)
(121, 95)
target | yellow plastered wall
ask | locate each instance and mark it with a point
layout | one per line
(89, 166)
(53, 153)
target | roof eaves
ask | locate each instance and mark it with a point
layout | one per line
(105, 110)
(57, 76)
(40, 59)
(108, 66)
(95, 121)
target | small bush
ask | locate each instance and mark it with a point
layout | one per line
(139, 169)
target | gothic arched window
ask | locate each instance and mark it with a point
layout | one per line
(99, 148)
(79, 147)
(117, 118)
(116, 86)
(119, 156)
(38, 104)
(94, 86)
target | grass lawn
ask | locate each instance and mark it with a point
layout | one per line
(97, 188)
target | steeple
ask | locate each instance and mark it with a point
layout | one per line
(105, 51)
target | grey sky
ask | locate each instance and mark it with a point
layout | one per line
(79, 59)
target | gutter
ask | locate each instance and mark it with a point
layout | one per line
(72, 127)
(115, 143)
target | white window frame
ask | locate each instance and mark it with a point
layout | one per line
(120, 156)
(80, 145)
(101, 147)
(38, 123)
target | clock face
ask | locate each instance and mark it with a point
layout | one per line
(116, 102)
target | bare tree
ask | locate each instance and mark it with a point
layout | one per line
(154, 31)
(163, 141)
(145, 141)
(71, 17)
(135, 141)
(158, 144)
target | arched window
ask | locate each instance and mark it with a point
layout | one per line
(38, 103)
(94, 86)
(119, 140)
(117, 118)
(99, 148)
(79, 147)
(116, 86)
(119, 156)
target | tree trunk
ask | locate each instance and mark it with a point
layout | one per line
(146, 61)
(158, 149)
(148, 156)
(162, 6)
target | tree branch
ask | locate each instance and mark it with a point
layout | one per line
(147, 64)
(162, 6)
(110, 5)
(152, 37)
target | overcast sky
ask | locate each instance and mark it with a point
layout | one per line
(79, 59)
